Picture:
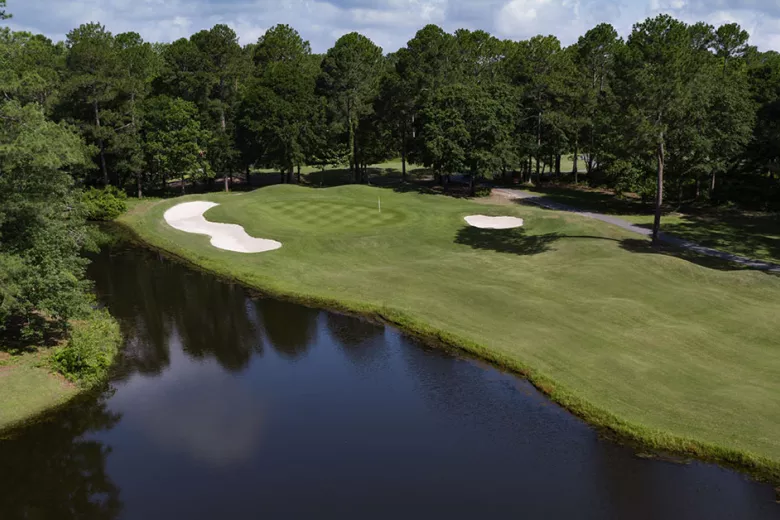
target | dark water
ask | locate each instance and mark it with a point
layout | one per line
(229, 407)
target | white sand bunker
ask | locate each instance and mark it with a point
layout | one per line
(188, 216)
(485, 222)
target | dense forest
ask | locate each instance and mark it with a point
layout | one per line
(689, 110)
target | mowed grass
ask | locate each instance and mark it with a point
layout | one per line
(28, 387)
(657, 348)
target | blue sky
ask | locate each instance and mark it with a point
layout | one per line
(390, 23)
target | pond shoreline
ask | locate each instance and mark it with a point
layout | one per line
(608, 424)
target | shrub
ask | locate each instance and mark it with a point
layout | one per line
(91, 349)
(104, 204)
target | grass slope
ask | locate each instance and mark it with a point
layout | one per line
(659, 349)
(28, 387)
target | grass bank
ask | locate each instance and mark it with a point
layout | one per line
(654, 348)
(29, 386)
(33, 380)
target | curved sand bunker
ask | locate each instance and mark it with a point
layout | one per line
(188, 217)
(485, 222)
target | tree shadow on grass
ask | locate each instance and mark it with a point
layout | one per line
(644, 246)
(749, 235)
(514, 241)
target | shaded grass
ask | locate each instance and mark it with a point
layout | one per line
(750, 234)
(28, 386)
(655, 348)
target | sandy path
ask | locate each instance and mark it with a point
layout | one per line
(188, 217)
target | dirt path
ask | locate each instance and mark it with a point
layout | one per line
(533, 198)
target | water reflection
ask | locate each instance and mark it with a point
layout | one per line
(359, 340)
(159, 297)
(52, 470)
(291, 329)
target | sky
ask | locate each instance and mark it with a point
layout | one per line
(389, 23)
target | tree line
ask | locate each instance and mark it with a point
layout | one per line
(676, 110)
(694, 103)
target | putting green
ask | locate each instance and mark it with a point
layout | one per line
(659, 348)
(319, 217)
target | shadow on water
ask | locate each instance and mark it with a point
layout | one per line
(52, 469)
(290, 342)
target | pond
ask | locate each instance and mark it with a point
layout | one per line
(229, 406)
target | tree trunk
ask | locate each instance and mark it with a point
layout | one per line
(538, 142)
(350, 124)
(698, 188)
(712, 185)
(538, 166)
(659, 194)
(574, 162)
(403, 153)
(558, 165)
(290, 171)
(472, 183)
(182, 184)
(299, 174)
(138, 183)
(101, 144)
(227, 185)
(282, 175)
(248, 176)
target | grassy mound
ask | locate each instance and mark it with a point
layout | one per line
(655, 347)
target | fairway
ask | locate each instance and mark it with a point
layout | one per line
(658, 348)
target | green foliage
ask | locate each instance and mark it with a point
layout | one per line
(174, 140)
(41, 227)
(280, 115)
(104, 204)
(91, 349)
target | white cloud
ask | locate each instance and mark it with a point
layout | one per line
(390, 23)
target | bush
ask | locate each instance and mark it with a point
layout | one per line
(105, 204)
(91, 349)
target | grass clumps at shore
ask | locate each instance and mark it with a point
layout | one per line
(657, 348)
(90, 351)
(35, 379)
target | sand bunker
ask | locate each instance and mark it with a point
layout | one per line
(485, 222)
(188, 216)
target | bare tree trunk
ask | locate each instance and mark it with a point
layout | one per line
(248, 176)
(225, 179)
(712, 185)
(558, 164)
(182, 184)
(138, 183)
(290, 171)
(659, 194)
(403, 153)
(299, 174)
(574, 169)
(538, 142)
(101, 144)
